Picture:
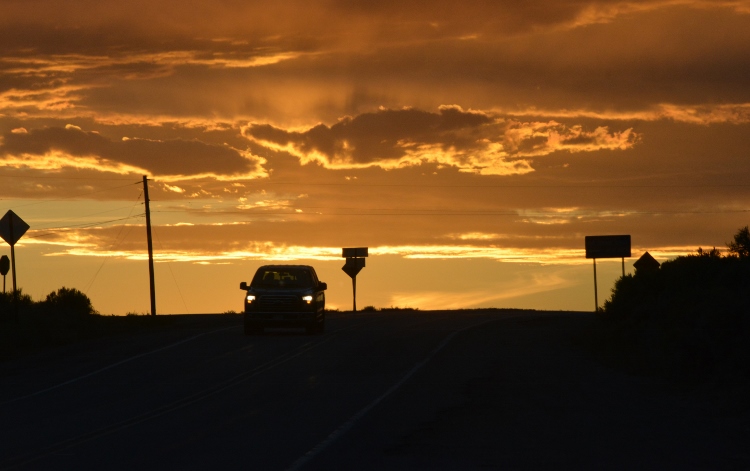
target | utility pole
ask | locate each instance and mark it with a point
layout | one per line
(150, 247)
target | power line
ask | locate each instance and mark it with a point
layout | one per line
(320, 211)
(409, 213)
(356, 183)
(75, 196)
(114, 245)
(353, 182)
(54, 230)
(177, 285)
(87, 215)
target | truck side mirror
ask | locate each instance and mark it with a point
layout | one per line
(322, 286)
(243, 285)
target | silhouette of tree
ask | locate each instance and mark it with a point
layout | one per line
(713, 253)
(68, 302)
(688, 320)
(23, 302)
(740, 246)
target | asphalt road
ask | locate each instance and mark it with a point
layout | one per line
(402, 390)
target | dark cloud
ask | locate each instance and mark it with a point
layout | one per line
(53, 24)
(469, 140)
(169, 157)
(332, 59)
(373, 137)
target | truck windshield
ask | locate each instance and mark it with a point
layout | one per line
(278, 278)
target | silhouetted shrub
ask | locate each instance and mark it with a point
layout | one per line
(690, 319)
(24, 302)
(69, 303)
(740, 246)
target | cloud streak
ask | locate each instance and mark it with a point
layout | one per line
(72, 147)
(268, 251)
(470, 141)
(703, 115)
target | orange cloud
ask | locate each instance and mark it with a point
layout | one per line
(470, 141)
(171, 160)
(43, 66)
(88, 244)
(55, 161)
(729, 113)
(52, 98)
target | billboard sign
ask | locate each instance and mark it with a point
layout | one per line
(354, 252)
(609, 246)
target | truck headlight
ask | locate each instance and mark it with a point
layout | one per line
(308, 298)
(250, 298)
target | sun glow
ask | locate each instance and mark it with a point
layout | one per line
(89, 244)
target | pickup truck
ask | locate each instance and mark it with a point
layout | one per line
(284, 296)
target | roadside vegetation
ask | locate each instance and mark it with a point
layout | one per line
(387, 309)
(687, 320)
(64, 316)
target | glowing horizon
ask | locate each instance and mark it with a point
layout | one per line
(480, 141)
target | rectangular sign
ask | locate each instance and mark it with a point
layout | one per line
(354, 252)
(611, 246)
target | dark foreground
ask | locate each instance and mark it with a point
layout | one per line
(402, 390)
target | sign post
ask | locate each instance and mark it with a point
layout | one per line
(12, 228)
(355, 261)
(4, 267)
(611, 246)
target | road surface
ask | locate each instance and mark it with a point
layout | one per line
(484, 389)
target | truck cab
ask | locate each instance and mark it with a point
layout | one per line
(284, 296)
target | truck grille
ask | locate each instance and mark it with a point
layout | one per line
(278, 303)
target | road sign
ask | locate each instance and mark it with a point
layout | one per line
(353, 266)
(610, 246)
(4, 267)
(355, 252)
(355, 261)
(12, 227)
(646, 263)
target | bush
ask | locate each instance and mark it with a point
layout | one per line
(690, 319)
(69, 303)
(24, 301)
(740, 246)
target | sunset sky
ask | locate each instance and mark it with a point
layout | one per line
(470, 145)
